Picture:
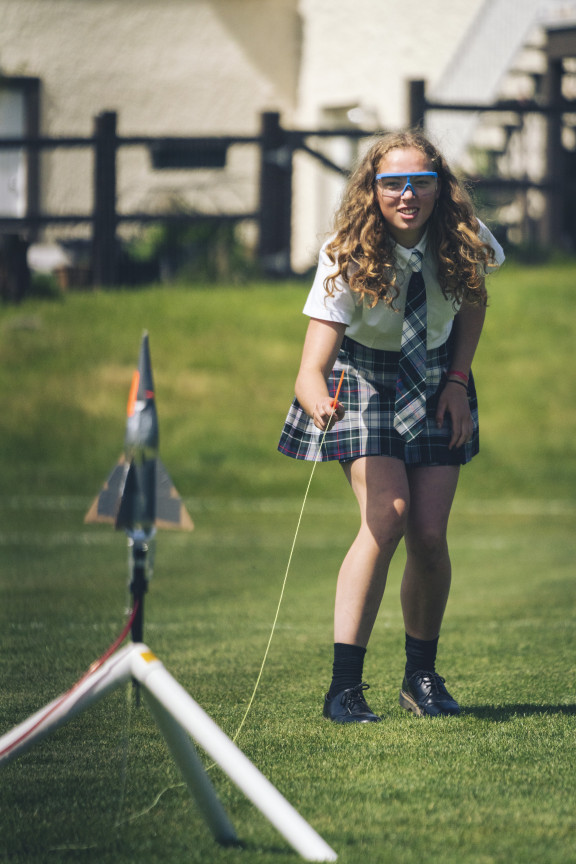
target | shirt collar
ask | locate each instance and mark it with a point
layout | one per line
(403, 254)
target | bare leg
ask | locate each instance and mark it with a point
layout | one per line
(381, 488)
(427, 576)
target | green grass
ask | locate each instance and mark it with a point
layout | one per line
(495, 785)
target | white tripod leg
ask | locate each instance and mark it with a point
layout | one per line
(90, 689)
(192, 770)
(147, 669)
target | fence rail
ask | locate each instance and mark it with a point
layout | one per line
(273, 215)
(277, 146)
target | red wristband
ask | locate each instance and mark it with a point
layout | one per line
(458, 374)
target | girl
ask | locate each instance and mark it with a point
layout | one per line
(408, 417)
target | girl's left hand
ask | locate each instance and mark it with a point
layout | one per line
(454, 400)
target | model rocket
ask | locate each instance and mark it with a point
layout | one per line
(139, 495)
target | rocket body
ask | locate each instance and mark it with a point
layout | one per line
(139, 494)
(137, 510)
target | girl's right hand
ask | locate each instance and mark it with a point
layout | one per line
(326, 415)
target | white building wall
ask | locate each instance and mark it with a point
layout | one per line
(362, 53)
(169, 67)
(194, 67)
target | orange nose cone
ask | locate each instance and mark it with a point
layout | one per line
(133, 394)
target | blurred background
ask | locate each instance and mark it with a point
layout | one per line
(145, 141)
(186, 156)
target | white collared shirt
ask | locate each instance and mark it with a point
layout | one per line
(381, 326)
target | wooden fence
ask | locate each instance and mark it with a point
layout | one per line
(273, 215)
(277, 146)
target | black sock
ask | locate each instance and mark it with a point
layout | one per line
(347, 668)
(420, 655)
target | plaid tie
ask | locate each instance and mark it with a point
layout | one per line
(410, 407)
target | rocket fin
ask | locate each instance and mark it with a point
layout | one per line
(105, 506)
(170, 511)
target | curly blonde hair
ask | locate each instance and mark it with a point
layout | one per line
(362, 248)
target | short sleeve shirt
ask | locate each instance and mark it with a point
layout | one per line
(380, 327)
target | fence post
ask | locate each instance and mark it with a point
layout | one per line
(553, 221)
(14, 272)
(416, 104)
(104, 249)
(275, 221)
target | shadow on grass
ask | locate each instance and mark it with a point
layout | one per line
(500, 713)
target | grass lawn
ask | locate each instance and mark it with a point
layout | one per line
(494, 785)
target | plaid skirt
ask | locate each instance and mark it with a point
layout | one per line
(368, 394)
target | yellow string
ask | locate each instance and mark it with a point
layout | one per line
(279, 602)
(317, 459)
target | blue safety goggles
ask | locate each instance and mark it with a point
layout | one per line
(420, 183)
